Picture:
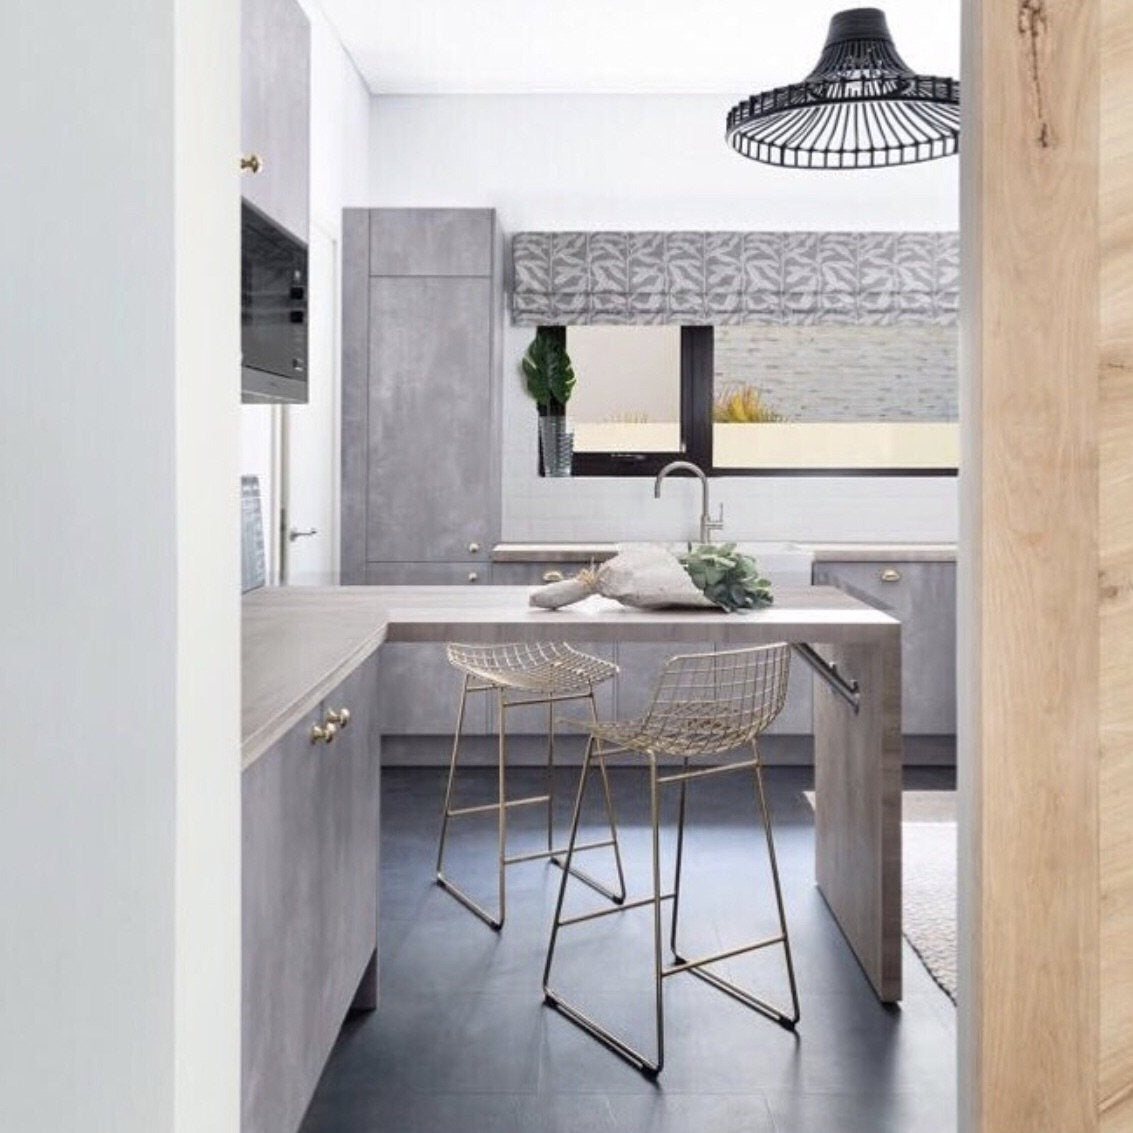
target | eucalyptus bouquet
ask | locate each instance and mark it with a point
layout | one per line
(726, 577)
(648, 576)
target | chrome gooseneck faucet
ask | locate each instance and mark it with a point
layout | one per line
(707, 523)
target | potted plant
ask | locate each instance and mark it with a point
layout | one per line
(549, 377)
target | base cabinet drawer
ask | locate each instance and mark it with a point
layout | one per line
(472, 571)
(923, 596)
(534, 574)
(309, 917)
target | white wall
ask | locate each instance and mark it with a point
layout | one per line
(119, 645)
(339, 178)
(340, 126)
(640, 162)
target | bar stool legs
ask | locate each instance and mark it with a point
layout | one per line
(652, 1065)
(503, 804)
(784, 1019)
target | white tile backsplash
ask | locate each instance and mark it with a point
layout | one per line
(827, 509)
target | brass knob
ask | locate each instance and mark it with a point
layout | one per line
(338, 716)
(473, 576)
(253, 163)
(324, 733)
(890, 574)
(552, 576)
(473, 548)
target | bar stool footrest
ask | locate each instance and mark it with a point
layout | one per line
(494, 923)
(761, 1006)
(580, 1019)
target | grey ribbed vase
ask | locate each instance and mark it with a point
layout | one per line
(557, 445)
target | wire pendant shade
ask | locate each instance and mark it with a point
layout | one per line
(861, 107)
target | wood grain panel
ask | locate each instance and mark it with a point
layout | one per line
(858, 807)
(1116, 578)
(1029, 1012)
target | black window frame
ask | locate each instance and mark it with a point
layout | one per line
(697, 399)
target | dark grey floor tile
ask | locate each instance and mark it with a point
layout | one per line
(462, 1039)
(429, 1113)
(930, 1110)
(653, 1112)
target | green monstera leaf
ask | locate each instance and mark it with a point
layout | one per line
(548, 373)
(727, 577)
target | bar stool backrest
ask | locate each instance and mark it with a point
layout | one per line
(705, 703)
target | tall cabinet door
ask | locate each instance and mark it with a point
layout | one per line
(430, 417)
(275, 109)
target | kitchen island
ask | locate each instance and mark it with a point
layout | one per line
(857, 752)
(857, 717)
(310, 931)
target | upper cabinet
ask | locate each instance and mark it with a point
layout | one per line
(275, 118)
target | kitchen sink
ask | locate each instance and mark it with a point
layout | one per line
(782, 562)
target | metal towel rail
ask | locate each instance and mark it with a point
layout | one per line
(828, 671)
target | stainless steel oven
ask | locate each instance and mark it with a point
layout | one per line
(273, 311)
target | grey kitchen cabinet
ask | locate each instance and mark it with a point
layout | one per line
(310, 884)
(430, 424)
(638, 669)
(432, 242)
(422, 321)
(275, 110)
(472, 572)
(533, 574)
(417, 687)
(923, 596)
(418, 693)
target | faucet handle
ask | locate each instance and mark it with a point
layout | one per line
(716, 524)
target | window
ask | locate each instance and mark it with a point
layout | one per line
(759, 400)
(846, 398)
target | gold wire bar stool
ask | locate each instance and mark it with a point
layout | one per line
(705, 705)
(522, 674)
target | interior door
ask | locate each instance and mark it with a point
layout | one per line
(309, 521)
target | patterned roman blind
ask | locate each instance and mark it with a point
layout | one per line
(877, 278)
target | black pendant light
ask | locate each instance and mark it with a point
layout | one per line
(860, 108)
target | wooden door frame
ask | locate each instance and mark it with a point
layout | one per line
(1046, 568)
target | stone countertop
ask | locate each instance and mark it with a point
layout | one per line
(825, 552)
(883, 552)
(818, 614)
(552, 552)
(298, 644)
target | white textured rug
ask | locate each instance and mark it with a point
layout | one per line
(928, 882)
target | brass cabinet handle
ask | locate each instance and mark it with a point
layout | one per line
(340, 717)
(253, 163)
(473, 548)
(552, 576)
(324, 733)
(473, 576)
(890, 574)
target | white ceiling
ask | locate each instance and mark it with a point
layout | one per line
(613, 46)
